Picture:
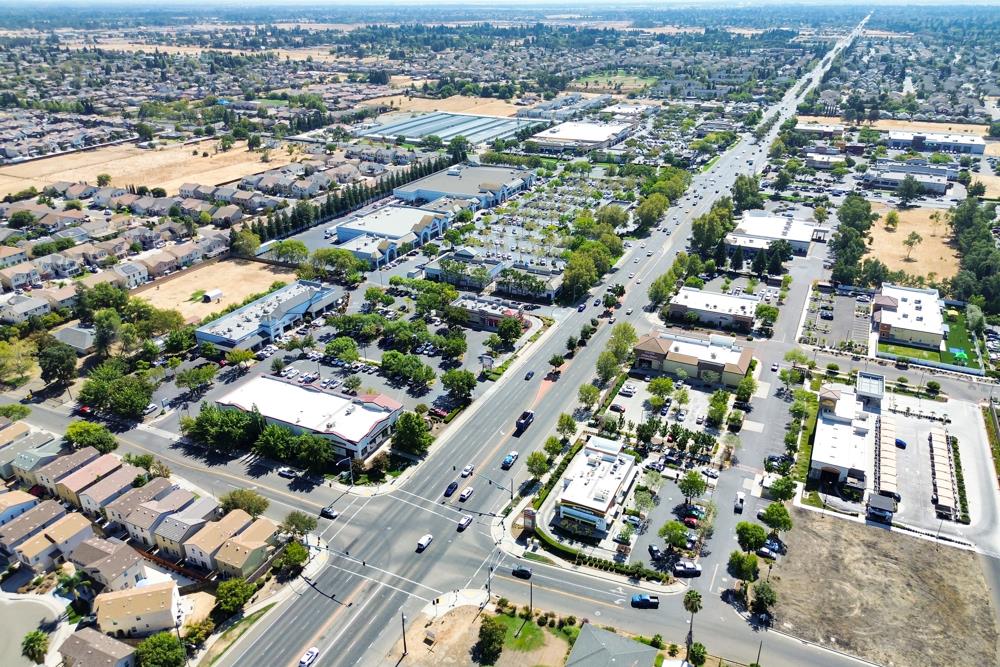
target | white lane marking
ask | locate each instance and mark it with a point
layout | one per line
(382, 583)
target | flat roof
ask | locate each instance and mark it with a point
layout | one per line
(715, 349)
(581, 132)
(844, 434)
(595, 475)
(247, 320)
(892, 175)
(870, 384)
(937, 137)
(759, 227)
(447, 125)
(393, 222)
(312, 409)
(467, 180)
(916, 309)
(715, 302)
(820, 127)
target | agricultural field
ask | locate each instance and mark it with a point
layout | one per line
(127, 164)
(456, 104)
(935, 254)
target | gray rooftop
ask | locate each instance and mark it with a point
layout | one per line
(601, 648)
(465, 180)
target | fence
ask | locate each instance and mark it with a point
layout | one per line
(932, 364)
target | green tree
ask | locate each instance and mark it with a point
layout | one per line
(74, 583)
(891, 220)
(908, 190)
(352, 383)
(776, 518)
(767, 314)
(103, 180)
(107, 326)
(976, 189)
(783, 489)
(57, 363)
(509, 330)
(674, 533)
(745, 389)
(343, 348)
(491, 638)
(232, 594)
(607, 366)
(746, 193)
(661, 386)
(697, 654)
(459, 383)
(692, 485)
(750, 536)
(243, 243)
(588, 395)
(538, 464)
(298, 523)
(692, 605)
(556, 361)
(294, 556)
(412, 434)
(247, 500)
(163, 649)
(239, 357)
(35, 646)
(566, 426)
(743, 566)
(911, 241)
(80, 434)
(553, 446)
(764, 597)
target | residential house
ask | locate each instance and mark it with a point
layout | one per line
(133, 273)
(44, 267)
(159, 263)
(19, 276)
(70, 486)
(303, 188)
(95, 497)
(143, 205)
(213, 244)
(243, 555)
(154, 489)
(55, 542)
(201, 548)
(124, 201)
(371, 169)
(206, 192)
(27, 463)
(74, 234)
(103, 196)
(227, 215)
(144, 236)
(100, 229)
(193, 207)
(224, 193)
(66, 266)
(81, 339)
(90, 648)
(176, 529)
(139, 611)
(143, 521)
(188, 190)
(15, 503)
(11, 432)
(20, 307)
(29, 524)
(186, 253)
(11, 256)
(79, 191)
(111, 563)
(245, 200)
(59, 297)
(58, 220)
(597, 647)
(117, 248)
(87, 252)
(345, 173)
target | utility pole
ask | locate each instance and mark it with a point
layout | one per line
(402, 619)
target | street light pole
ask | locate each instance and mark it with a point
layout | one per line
(349, 468)
(402, 619)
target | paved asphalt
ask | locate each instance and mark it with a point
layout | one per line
(352, 609)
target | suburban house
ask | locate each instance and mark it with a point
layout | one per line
(95, 497)
(59, 297)
(19, 276)
(213, 245)
(69, 487)
(716, 359)
(90, 648)
(201, 548)
(133, 273)
(139, 611)
(143, 236)
(26, 464)
(186, 253)
(117, 248)
(65, 266)
(30, 523)
(143, 520)
(159, 263)
(81, 339)
(87, 252)
(597, 647)
(55, 542)
(177, 528)
(15, 503)
(111, 563)
(11, 255)
(243, 555)
(909, 315)
(227, 215)
(121, 507)
(48, 476)
(20, 307)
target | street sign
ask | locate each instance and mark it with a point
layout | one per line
(528, 519)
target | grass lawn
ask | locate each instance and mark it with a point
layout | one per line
(272, 103)
(909, 352)
(801, 469)
(530, 638)
(618, 77)
(958, 336)
(711, 163)
(230, 636)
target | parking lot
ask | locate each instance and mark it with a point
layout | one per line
(638, 410)
(836, 321)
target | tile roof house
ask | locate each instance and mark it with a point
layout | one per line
(111, 563)
(69, 487)
(27, 463)
(175, 530)
(10, 256)
(95, 497)
(143, 520)
(51, 474)
(139, 611)
(55, 542)
(154, 489)
(19, 275)
(15, 503)
(29, 524)
(159, 263)
(90, 648)
(201, 548)
(186, 253)
(243, 554)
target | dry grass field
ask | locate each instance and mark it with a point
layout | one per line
(236, 278)
(934, 254)
(115, 44)
(991, 181)
(911, 126)
(455, 103)
(166, 167)
(993, 147)
(884, 596)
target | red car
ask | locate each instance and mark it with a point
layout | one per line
(690, 522)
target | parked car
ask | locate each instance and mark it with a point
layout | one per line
(617, 408)
(710, 472)
(687, 568)
(764, 552)
(691, 522)
(655, 552)
(738, 503)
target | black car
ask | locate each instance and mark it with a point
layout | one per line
(451, 489)
(654, 552)
(521, 572)
(529, 375)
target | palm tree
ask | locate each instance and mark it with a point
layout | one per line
(72, 583)
(692, 605)
(34, 646)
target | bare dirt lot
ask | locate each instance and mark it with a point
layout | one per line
(991, 181)
(912, 126)
(236, 278)
(455, 103)
(935, 254)
(168, 167)
(887, 597)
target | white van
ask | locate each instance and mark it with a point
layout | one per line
(424, 542)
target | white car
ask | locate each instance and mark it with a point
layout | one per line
(467, 470)
(466, 494)
(309, 657)
(629, 311)
(424, 542)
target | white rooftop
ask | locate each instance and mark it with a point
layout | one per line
(247, 320)
(717, 349)
(938, 137)
(844, 435)
(917, 309)
(759, 229)
(730, 304)
(627, 109)
(391, 222)
(582, 132)
(596, 475)
(820, 127)
(312, 409)
(365, 243)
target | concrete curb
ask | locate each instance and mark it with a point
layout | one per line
(789, 635)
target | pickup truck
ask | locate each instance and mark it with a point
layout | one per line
(642, 601)
(525, 419)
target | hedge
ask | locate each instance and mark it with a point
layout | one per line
(963, 502)
(554, 476)
(994, 439)
(635, 570)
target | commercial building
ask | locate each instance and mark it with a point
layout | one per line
(400, 225)
(918, 167)
(594, 487)
(844, 438)
(485, 312)
(466, 267)
(735, 311)
(938, 142)
(446, 125)
(140, 611)
(757, 230)
(891, 180)
(486, 185)
(376, 251)
(909, 315)
(355, 426)
(823, 160)
(260, 322)
(581, 136)
(564, 107)
(716, 358)
(822, 130)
